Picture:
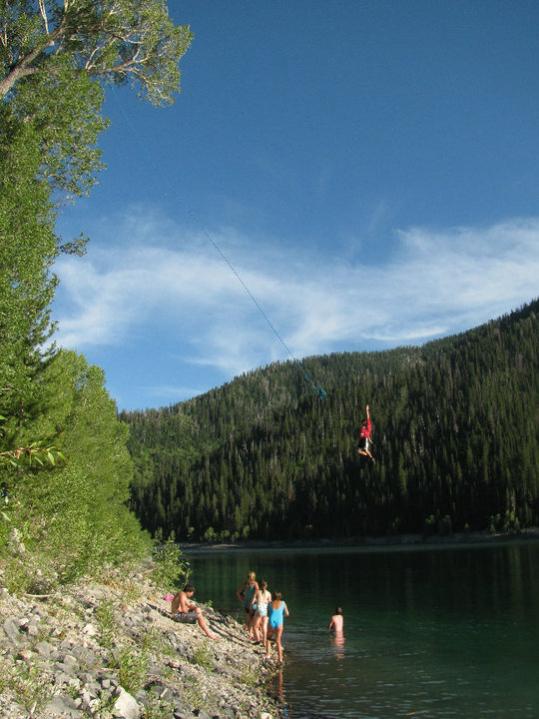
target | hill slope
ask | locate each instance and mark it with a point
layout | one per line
(456, 439)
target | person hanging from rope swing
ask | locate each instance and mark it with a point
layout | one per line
(365, 436)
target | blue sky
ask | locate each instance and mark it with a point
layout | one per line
(369, 168)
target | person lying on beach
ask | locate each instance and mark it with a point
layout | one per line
(188, 613)
(336, 623)
(277, 610)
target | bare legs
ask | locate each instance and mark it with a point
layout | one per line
(260, 629)
(366, 453)
(278, 633)
(204, 625)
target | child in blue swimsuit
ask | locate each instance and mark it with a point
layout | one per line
(277, 610)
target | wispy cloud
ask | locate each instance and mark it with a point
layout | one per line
(171, 279)
(169, 392)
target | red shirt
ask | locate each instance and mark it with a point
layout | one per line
(366, 429)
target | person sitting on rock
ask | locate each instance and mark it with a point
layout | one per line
(187, 613)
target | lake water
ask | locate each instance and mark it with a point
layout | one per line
(432, 633)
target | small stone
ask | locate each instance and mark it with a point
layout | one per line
(33, 628)
(126, 706)
(90, 630)
(86, 697)
(94, 705)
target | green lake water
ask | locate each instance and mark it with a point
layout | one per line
(432, 633)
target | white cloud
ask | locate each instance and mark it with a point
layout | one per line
(169, 392)
(157, 275)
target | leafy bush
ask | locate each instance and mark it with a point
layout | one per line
(170, 568)
(203, 657)
(106, 622)
(132, 669)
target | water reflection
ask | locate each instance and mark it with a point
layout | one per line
(337, 641)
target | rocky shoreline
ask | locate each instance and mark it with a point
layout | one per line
(411, 541)
(108, 649)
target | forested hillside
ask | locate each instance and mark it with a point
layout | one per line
(456, 440)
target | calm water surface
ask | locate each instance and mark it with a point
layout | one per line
(429, 633)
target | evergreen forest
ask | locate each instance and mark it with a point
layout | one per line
(456, 442)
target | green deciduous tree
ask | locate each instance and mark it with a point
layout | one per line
(118, 40)
(55, 59)
(27, 250)
(73, 518)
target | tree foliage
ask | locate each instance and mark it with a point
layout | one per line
(54, 58)
(64, 467)
(72, 518)
(27, 250)
(117, 40)
(456, 443)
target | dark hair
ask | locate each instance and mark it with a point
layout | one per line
(189, 588)
(338, 610)
(277, 595)
(263, 583)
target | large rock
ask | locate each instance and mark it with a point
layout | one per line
(68, 665)
(126, 706)
(63, 707)
(86, 657)
(44, 649)
(11, 630)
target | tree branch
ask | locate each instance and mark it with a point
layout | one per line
(43, 11)
(23, 66)
(12, 77)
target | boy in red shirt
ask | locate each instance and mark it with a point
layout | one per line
(365, 436)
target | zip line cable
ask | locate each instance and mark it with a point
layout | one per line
(306, 374)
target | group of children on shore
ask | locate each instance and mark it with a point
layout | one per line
(264, 614)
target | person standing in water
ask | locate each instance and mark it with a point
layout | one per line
(261, 600)
(336, 624)
(246, 595)
(277, 612)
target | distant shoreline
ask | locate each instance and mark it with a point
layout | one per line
(402, 541)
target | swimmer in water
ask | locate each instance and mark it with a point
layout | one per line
(336, 623)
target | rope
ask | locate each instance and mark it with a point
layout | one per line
(307, 376)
